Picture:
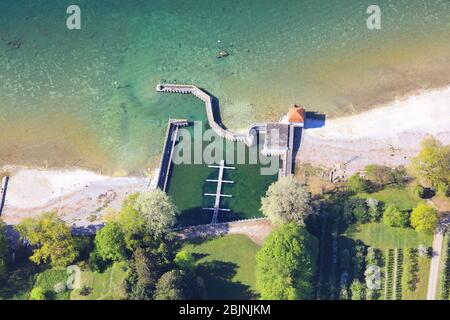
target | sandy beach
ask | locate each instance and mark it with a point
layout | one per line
(390, 134)
(80, 197)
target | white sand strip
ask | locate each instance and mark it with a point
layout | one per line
(387, 135)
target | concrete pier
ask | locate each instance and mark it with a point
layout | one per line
(248, 138)
(3, 189)
(167, 155)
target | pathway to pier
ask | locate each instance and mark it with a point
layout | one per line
(218, 195)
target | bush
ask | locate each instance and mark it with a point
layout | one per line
(60, 287)
(85, 290)
(37, 294)
(419, 191)
(393, 217)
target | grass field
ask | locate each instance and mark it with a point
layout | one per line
(103, 286)
(380, 236)
(227, 266)
(403, 198)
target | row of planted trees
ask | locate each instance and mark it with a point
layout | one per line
(445, 281)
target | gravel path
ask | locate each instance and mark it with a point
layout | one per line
(256, 230)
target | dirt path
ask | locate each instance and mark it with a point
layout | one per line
(256, 230)
(438, 240)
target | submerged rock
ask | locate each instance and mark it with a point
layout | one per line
(223, 54)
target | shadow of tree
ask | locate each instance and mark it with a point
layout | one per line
(218, 277)
(20, 281)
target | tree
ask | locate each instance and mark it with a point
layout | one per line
(185, 260)
(132, 223)
(393, 217)
(179, 285)
(358, 290)
(37, 294)
(424, 218)
(286, 200)
(96, 262)
(169, 286)
(359, 259)
(158, 211)
(285, 265)
(380, 175)
(375, 211)
(51, 237)
(356, 209)
(432, 165)
(109, 242)
(356, 184)
(146, 267)
(3, 249)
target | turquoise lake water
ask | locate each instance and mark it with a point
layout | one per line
(59, 106)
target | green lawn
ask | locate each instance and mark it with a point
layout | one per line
(227, 264)
(380, 236)
(103, 286)
(403, 198)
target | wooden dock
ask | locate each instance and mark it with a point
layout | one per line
(218, 195)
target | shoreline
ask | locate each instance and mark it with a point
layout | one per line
(389, 134)
(80, 197)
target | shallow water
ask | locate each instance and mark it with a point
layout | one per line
(59, 105)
